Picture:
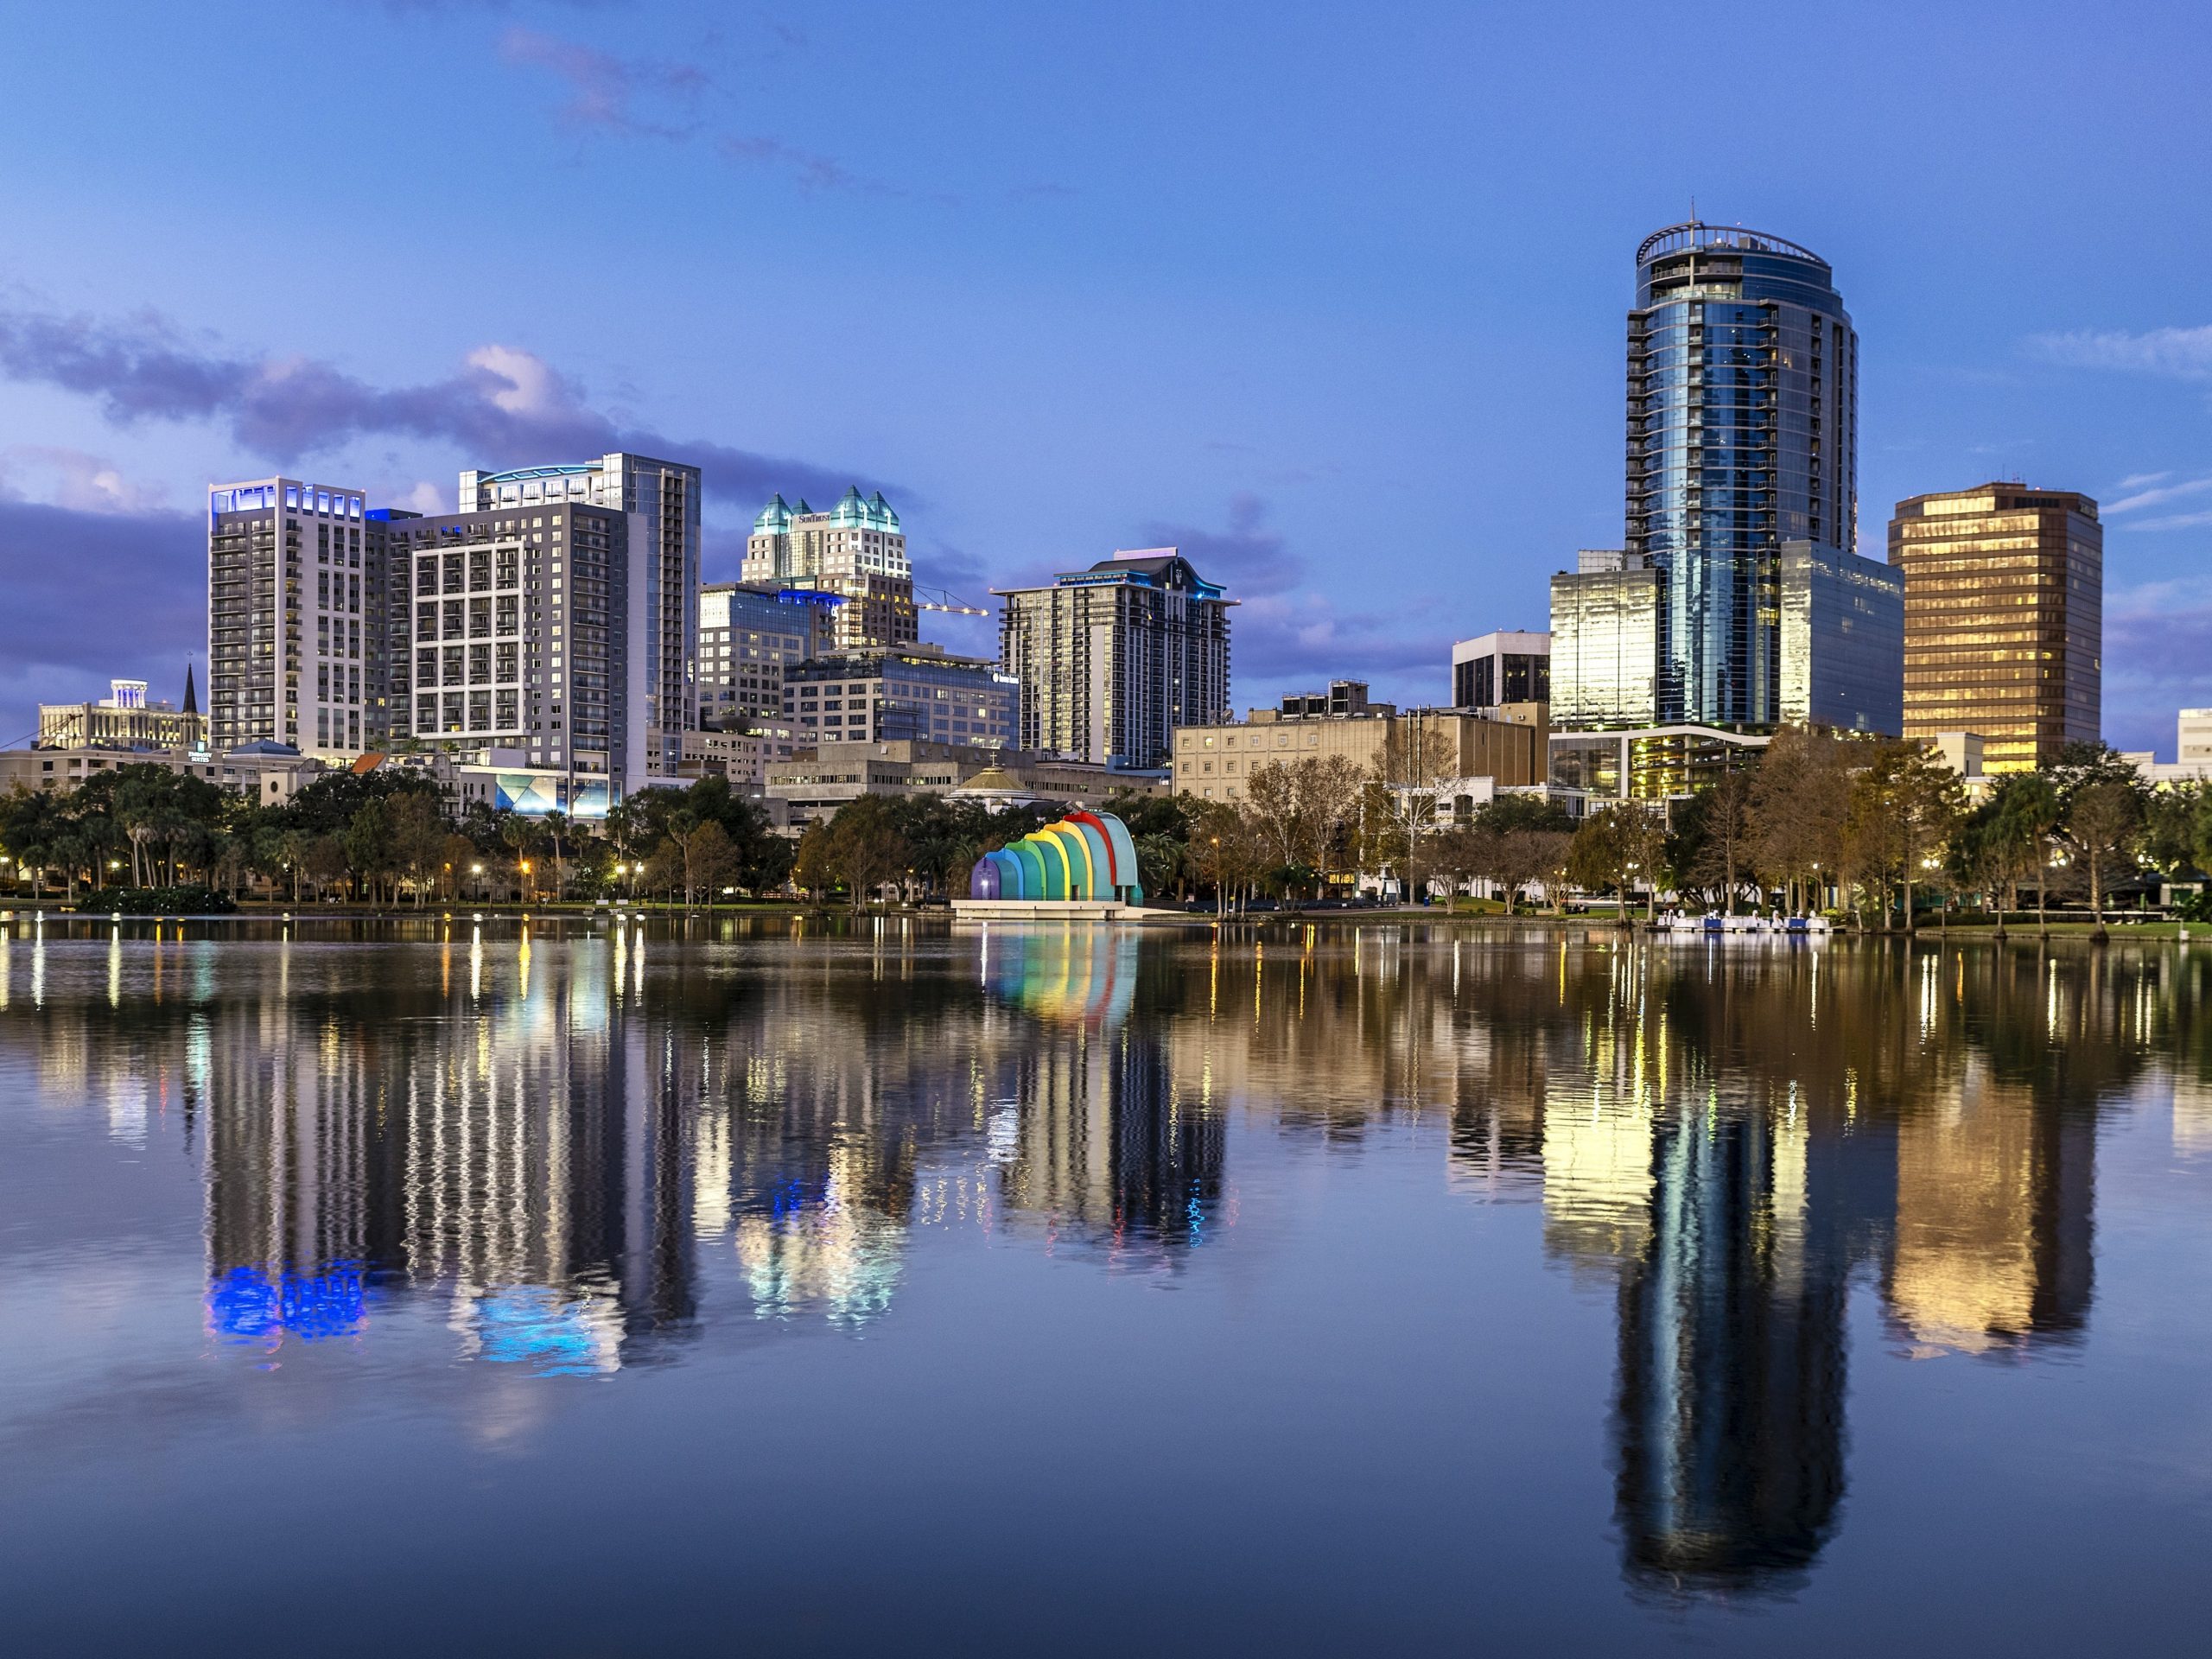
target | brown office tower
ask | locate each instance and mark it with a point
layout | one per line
(2004, 619)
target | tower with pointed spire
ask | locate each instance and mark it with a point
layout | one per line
(855, 551)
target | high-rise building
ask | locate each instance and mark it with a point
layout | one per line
(1112, 659)
(1842, 634)
(2004, 619)
(1743, 373)
(856, 550)
(1604, 642)
(662, 499)
(295, 597)
(514, 628)
(1505, 670)
(748, 635)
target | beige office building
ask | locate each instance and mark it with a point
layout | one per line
(1216, 762)
(2004, 619)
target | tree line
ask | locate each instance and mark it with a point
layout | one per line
(1882, 831)
(387, 837)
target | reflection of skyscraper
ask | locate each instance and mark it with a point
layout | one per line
(1994, 1196)
(1107, 1152)
(522, 1156)
(1731, 1411)
(1103, 1146)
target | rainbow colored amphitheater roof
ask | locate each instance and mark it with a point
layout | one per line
(1084, 856)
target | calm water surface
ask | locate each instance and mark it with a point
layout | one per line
(1383, 1289)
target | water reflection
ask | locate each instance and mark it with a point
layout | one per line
(563, 1146)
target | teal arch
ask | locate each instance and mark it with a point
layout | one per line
(1101, 860)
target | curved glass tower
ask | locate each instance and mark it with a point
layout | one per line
(1743, 376)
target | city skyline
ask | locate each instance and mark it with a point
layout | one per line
(1306, 349)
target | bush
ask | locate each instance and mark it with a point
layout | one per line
(158, 901)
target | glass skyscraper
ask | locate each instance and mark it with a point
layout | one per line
(1742, 373)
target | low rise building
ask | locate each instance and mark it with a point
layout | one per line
(741, 756)
(268, 773)
(915, 693)
(816, 783)
(1506, 674)
(2192, 761)
(124, 719)
(1455, 751)
(1647, 763)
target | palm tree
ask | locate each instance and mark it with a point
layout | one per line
(558, 829)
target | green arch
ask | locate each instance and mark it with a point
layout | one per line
(1082, 880)
(1055, 859)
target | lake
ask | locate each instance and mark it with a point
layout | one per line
(766, 1284)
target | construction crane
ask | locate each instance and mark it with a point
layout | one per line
(935, 599)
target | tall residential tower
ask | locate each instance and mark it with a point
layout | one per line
(661, 499)
(295, 596)
(1112, 659)
(1743, 378)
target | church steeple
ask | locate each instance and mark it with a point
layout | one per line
(191, 700)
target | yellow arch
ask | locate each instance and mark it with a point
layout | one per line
(1069, 836)
(1056, 858)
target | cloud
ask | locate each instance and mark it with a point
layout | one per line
(2179, 353)
(505, 407)
(603, 90)
(93, 595)
(1285, 637)
(2174, 521)
(1247, 558)
(808, 170)
(2159, 495)
(2158, 655)
(631, 98)
(72, 479)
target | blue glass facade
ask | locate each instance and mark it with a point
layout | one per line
(1742, 434)
(1842, 641)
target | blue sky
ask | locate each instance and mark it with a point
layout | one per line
(1331, 296)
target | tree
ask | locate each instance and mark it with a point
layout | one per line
(860, 846)
(2103, 826)
(1904, 806)
(1518, 857)
(1717, 831)
(1795, 815)
(1614, 847)
(417, 839)
(31, 824)
(2027, 817)
(1298, 809)
(559, 831)
(1460, 854)
(1419, 760)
